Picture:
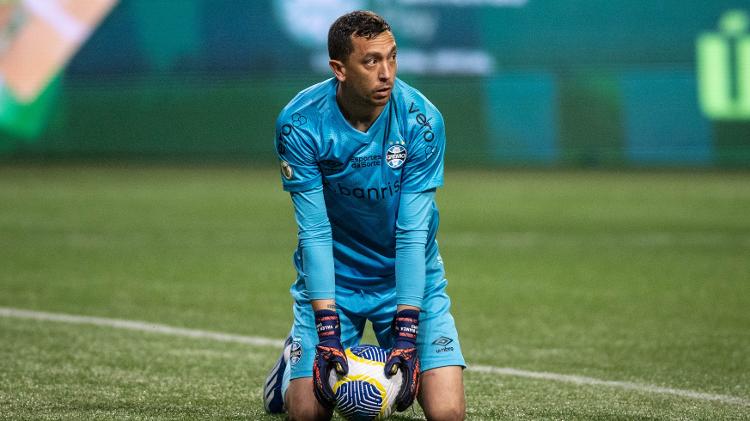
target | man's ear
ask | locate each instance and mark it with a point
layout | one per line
(339, 70)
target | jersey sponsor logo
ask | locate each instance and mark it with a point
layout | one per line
(427, 134)
(395, 156)
(281, 141)
(286, 170)
(365, 193)
(330, 166)
(366, 161)
(298, 119)
(429, 151)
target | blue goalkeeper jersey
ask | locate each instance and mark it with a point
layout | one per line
(363, 175)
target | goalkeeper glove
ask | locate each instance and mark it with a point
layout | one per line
(403, 355)
(329, 355)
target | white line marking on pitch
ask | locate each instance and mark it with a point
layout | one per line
(276, 343)
(139, 326)
(590, 381)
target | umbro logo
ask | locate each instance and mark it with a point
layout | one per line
(442, 341)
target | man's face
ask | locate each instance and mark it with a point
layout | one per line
(371, 68)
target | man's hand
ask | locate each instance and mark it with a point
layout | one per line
(329, 355)
(403, 355)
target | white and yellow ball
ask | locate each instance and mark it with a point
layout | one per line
(365, 393)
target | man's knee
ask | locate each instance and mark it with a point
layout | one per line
(446, 412)
(301, 403)
(300, 411)
(448, 408)
(442, 394)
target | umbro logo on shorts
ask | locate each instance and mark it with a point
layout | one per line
(442, 341)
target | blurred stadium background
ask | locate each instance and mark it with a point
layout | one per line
(607, 279)
(521, 82)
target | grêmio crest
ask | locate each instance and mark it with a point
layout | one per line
(395, 156)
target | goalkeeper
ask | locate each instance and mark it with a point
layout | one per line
(362, 155)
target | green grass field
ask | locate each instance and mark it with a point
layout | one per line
(637, 282)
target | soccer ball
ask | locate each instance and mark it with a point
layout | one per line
(365, 393)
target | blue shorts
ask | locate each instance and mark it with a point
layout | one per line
(437, 340)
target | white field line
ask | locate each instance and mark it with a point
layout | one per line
(277, 343)
(590, 381)
(140, 326)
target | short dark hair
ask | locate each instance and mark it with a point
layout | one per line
(360, 23)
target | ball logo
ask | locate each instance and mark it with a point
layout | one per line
(395, 156)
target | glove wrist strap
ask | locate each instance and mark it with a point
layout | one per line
(327, 324)
(406, 325)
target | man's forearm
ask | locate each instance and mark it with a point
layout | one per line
(315, 241)
(412, 230)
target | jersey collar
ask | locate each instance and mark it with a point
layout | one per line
(375, 128)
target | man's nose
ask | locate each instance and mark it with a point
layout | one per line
(386, 71)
